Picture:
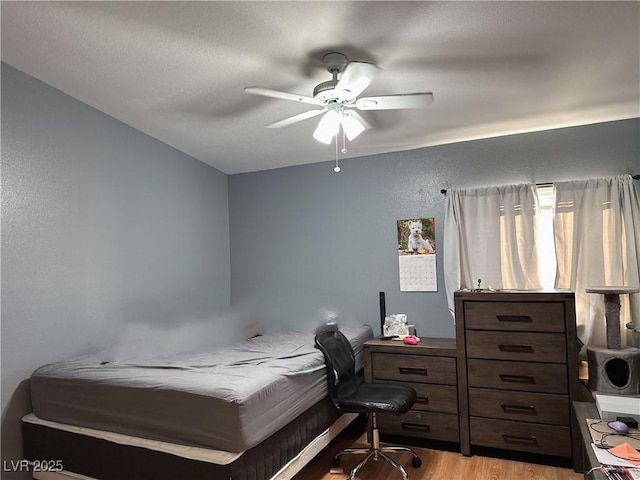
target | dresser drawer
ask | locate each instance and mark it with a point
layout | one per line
(531, 377)
(521, 346)
(520, 406)
(414, 368)
(515, 316)
(436, 398)
(434, 426)
(525, 437)
(433, 398)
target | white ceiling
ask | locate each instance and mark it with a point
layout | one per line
(176, 70)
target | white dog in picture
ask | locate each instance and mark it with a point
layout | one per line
(416, 242)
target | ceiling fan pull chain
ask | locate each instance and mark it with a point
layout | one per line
(337, 167)
(344, 143)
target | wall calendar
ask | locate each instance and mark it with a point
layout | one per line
(417, 255)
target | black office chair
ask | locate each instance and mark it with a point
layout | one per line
(349, 395)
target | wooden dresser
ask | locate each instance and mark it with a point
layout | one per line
(430, 368)
(518, 371)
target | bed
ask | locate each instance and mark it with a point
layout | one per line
(255, 410)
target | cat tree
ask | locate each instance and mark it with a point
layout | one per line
(614, 369)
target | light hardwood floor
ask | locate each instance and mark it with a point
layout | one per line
(436, 465)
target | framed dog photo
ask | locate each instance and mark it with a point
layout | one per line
(417, 255)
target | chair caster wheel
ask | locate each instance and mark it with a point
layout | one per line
(416, 462)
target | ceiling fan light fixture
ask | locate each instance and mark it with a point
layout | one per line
(351, 126)
(327, 127)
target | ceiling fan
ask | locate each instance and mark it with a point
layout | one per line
(338, 99)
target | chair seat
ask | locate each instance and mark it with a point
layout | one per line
(379, 397)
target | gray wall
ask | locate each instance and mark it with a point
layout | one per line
(107, 235)
(306, 242)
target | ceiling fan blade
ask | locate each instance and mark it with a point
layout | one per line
(392, 102)
(360, 118)
(296, 118)
(356, 77)
(267, 92)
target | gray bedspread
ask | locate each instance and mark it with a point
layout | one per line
(227, 398)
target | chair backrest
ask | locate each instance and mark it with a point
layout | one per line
(341, 364)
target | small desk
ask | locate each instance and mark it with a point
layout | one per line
(582, 411)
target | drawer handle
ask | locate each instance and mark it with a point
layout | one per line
(516, 348)
(415, 426)
(519, 440)
(515, 318)
(424, 400)
(518, 408)
(413, 371)
(517, 378)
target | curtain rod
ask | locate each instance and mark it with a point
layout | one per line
(635, 177)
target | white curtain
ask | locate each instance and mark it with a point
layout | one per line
(490, 234)
(597, 237)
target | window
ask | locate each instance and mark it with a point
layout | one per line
(546, 247)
